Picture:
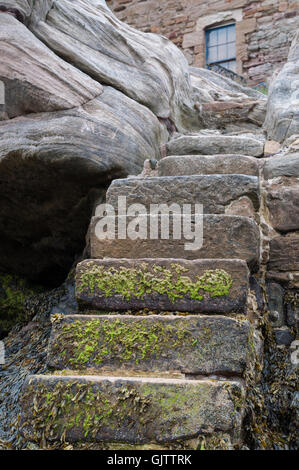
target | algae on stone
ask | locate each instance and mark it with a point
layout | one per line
(133, 282)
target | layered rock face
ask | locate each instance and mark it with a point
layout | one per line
(87, 100)
(282, 120)
(184, 338)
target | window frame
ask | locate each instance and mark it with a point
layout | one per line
(207, 33)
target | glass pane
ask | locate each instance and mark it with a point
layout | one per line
(212, 54)
(222, 36)
(230, 65)
(231, 50)
(222, 52)
(231, 33)
(212, 38)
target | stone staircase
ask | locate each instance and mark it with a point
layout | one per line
(159, 352)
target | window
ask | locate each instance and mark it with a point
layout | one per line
(221, 46)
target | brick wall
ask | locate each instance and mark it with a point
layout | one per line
(264, 29)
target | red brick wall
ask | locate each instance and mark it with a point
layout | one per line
(264, 29)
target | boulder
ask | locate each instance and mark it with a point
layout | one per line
(54, 166)
(282, 118)
(223, 103)
(146, 67)
(35, 79)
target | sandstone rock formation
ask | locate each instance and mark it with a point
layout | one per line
(282, 120)
(88, 99)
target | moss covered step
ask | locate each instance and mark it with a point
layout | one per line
(224, 237)
(198, 286)
(215, 192)
(191, 345)
(132, 410)
(208, 165)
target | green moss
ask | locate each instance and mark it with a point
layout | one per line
(132, 282)
(100, 340)
(14, 291)
(85, 408)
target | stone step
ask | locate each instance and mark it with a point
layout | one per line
(215, 144)
(192, 345)
(181, 165)
(129, 410)
(199, 286)
(214, 192)
(215, 236)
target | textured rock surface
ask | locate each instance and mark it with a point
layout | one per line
(204, 406)
(216, 144)
(282, 119)
(286, 165)
(214, 192)
(284, 254)
(167, 285)
(54, 166)
(146, 67)
(275, 295)
(35, 79)
(239, 238)
(283, 205)
(223, 103)
(191, 345)
(206, 165)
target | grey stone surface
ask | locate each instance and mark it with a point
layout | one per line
(283, 336)
(134, 410)
(275, 293)
(284, 254)
(224, 237)
(283, 206)
(53, 168)
(286, 165)
(148, 68)
(24, 7)
(156, 343)
(214, 192)
(292, 315)
(216, 144)
(208, 286)
(282, 119)
(36, 80)
(205, 165)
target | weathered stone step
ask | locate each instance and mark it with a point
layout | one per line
(132, 410)
(215, 144)
(224, 237)
(208, 286)
(181, 165)
(192, 345)
(214, 192)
